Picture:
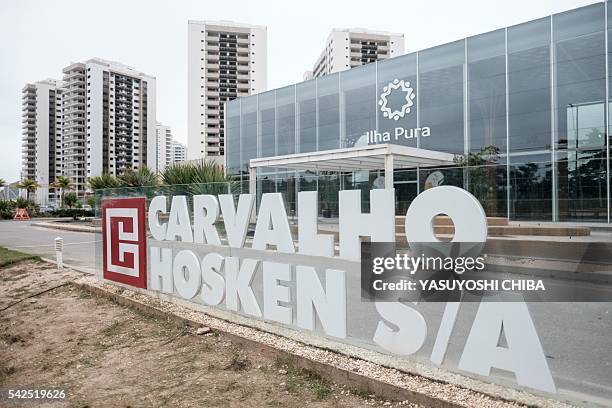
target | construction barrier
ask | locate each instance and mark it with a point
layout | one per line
(22, 215)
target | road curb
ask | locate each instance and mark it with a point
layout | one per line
(85, 271)
(73, 228)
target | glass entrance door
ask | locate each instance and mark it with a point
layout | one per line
(405, 192)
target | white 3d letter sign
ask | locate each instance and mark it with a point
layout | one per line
(259, 271)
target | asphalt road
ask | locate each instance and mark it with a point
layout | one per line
(576, 337)
(79, 247)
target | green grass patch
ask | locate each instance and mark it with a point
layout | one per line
(304, 379)
(10, 257)
(113, 329)
(5, 372)
(238, 362)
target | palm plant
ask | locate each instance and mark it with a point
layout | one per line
(103, 181)
(200, 176)
(21, 202)
(3, 184)
(190, 173)
(29, 185)
(63, 183)
(7, 208)
(143, 177)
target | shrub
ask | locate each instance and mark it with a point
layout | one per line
(32, 207)
(74, 213)
(104, 181)
(21, 202)
(143, 177)
(7, 209)
(192, 173)
(205, 177)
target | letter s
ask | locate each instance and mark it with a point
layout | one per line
(412, 328)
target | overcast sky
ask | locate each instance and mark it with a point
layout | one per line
(39, 38)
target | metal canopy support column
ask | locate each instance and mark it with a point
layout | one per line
(388, 171)
(607, 111)
(253, 190)
(252, 180)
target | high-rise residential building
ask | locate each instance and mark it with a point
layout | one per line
(41, 130)
(179, 152)
(163, 147)
(226, 60)
(352, 47)
(108, 120)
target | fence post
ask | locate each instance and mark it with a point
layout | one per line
(59, 248)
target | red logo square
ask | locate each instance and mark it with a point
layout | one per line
(124, 241)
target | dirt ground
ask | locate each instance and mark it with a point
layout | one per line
(108, 355)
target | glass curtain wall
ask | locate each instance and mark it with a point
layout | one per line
(530, 120)
(266, 120)
(358, 101)
(486, 95)
(232, 132)
(609, 126)
(441, 97)
(285, 120)
(328, 112)
(396, 70)
(248, 134)
(522, 107)
(358, 114)
(580, 92)
(306, 116)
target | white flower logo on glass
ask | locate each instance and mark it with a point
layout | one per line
(405, 87)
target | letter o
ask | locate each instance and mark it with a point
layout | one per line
(188, 286)
(462, 207)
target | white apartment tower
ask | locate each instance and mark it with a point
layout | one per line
(226, 60)
(179, 152)
(41, 130)
(352, 47)
(163, 147)
(108, 120)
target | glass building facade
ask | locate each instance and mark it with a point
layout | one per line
(525, 109)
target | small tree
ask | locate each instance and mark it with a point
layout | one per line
(91, 201)
(29, 186)
(70, 199)
(483, 173)
(63, 183)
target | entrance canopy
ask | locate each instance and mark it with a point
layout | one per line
(371, 157)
